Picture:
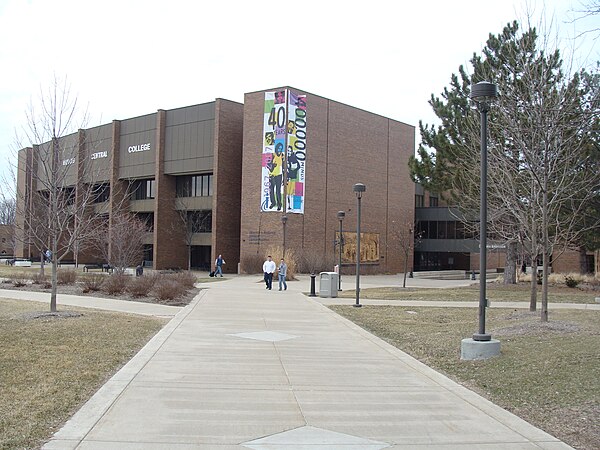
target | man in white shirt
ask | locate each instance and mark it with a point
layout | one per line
(269, 267)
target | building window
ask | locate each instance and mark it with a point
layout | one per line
(148, 219)
(67, 196)
(419, 201)
(433, 202)
(195, 185)
(101, 193)
(200, 221)
(143, 189)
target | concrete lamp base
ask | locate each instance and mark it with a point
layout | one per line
(471, 349)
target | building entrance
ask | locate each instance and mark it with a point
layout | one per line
(201, 257)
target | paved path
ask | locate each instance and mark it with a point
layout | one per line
(147, 309)
(242, 367)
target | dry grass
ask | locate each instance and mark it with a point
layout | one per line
(51, 365)
(496, 292)
(547, 373)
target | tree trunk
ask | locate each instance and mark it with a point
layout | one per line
(42, 261)
(189, 258)
(405, 267)
(583, 267)
(510, 267)
(546, 252)
(546, 270)
(54, 282)
(533, 296)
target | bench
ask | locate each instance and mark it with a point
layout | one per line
(22, 263)
(69, 262)
(104, 267)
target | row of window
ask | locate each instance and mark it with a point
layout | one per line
(429, 229)
(101, 193)
(186, 186)
(197, 221)
(195, 186)
(420, 201)
(143, 189)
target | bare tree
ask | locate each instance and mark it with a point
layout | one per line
(126, 236)
(53, 202)
(588, 8)
(7, 211)
(406, 238)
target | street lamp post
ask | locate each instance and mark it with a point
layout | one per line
(358, 189)
(482, 94)
(283, 222)
(340, 215)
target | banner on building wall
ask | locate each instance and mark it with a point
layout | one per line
(283, 152)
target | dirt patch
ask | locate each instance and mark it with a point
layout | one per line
(532, 328)
(531, 325)
(49, 315)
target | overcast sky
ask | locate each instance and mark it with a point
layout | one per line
(128, 58)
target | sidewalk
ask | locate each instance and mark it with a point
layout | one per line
(146, 309)
(243, 367)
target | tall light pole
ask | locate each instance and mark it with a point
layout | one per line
(358, 189)
(483, 93)
(340, 215)
(283, 222)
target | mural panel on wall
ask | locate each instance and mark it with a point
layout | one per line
(369, 247)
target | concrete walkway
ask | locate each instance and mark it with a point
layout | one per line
(243, 367)
(143, 308)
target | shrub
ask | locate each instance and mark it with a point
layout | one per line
(186, 279)
(168, 289)
(19, 279)
(571, 282)
(253, 263)
(115, 284)
(67, 276)
(311, 262)
(38, 278)
(93, 282)
(556, 278)
(140, 286)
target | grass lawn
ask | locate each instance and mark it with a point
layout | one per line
(548, 374)
(49, 366)
(496, 292)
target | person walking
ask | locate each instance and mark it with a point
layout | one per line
(282, 274)
(219, 266)
(269, 268)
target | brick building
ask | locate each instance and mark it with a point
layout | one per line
(272, 172)
(206, 159)
(345, 145)
(6, 241)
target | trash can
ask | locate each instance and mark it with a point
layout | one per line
(328, 284)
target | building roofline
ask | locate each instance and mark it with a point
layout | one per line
(331, 100)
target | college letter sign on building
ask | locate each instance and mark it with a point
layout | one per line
(283, 152)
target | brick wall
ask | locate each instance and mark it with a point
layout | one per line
(170, 249)
(345, 145)
(227, 189)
